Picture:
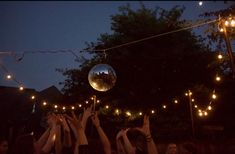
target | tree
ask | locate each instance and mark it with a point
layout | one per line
(149, 72)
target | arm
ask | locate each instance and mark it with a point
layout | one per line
(81, 136)
(128, 148)
(145, 130)
(104, 139)
(120, 147)
(58, 144)
(85, 116)
(67, 137)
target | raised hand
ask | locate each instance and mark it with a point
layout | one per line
(95, 120)
(145, 130)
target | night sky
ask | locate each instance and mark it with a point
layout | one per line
(55, 26)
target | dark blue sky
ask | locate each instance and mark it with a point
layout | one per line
(34, 26)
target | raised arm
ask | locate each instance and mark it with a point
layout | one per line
(145, 130)
(104, 139)
(129, 149)
(67, 142)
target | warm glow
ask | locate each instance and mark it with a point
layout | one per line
(72, 107)
(106, 106)
(205, 113)
(98, 101)
(193, 100)
(21, 88)
(79, 105)
(190, 93)
(217, 78)
(152, 111)
(186, 94)
(209, 107)
(117, 111)
(44, 103)
(86, 102)
(232, 23)
(92, 98)
(55, 106)
(128, 113)
(164, 106)
(200, 3)
(226, 23)
(199, 110)
(32, 97)
(176, 101)
(64, 108)
(200, 114)
(220, 56)
(140, 113)
(214, 96)
(195, 106)
(8, 76)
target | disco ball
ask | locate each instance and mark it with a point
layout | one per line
(102, 77)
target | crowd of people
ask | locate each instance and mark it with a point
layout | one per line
(66, 135)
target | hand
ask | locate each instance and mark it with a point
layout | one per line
(145, 130)
(75, 121)
(121, 133)
(95, 120)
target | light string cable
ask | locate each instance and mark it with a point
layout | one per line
(155, 36)
(14, 54)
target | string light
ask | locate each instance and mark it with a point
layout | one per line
(217, 78)
(33, 97)
(164, 106)
(192, 100)
(152, 111)
(64, 108)
(86, 102)
(72, 107)
(107, 107)
(200, 3)
(44, 103)
(214, 96)
(209, 107)
(79, 105)
(8, 76)
(128, 113)
(220, 56)
(195, 106)
(175, 101)
(205, 113)
(140, 113)
(55, 106)
(21, 88)
(200, 114)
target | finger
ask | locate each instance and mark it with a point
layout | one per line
(68, 117)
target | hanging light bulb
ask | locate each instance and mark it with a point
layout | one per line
(205, 113)
(209, 107)
(128, 113)
(140, 113)
(152, 111)
(214, 96)
(55, 106)
(175, 101)
(220, 56)
(33, 97)
(195, 106)
(226, 23)
(200, 3)
(8, 76)
(107, 107)
(79, 105)
(72, 107)
(221, 30)
(164, 106)
(217, 78)
(21, 88)
(44, 103)
(64, 108)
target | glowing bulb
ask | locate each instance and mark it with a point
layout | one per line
(9, 76)
(98, 101)
(226, 23)
(209, 107)
(199, 111)
(214, 96)
(21, 88)
(217, 78)
(44, 103)
(106, 106)
(186, 94)
(195, 106)
(176, 101)
(232, 23)
(64, 108)
(86, 102)
(193, 100)
(55, 106)
(92, 98)
(140, 113)
(72, 107)
(190, 93)
(205, 113)
(79, 105)
(152, 111)
(117, 111)
(220, 56)
(200, 3)
(32, 97)
(128, 113)
(200, 114)
(164, 106)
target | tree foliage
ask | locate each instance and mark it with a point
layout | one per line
(149, 72)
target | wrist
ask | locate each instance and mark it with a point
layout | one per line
(148, 138)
